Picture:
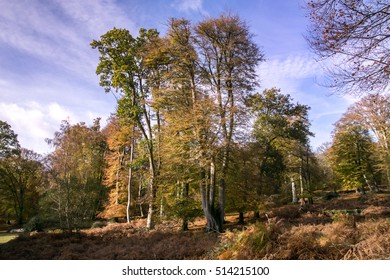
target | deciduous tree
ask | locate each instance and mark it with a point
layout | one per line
(76, 192)
(355, 35)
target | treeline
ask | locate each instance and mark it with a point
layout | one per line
(190, 137)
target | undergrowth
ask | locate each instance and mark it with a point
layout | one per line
(347, 228)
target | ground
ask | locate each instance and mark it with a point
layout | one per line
(348, 227)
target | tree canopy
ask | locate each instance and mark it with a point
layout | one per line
(355, 35)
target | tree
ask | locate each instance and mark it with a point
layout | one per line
(9, 144)
(191, 83)
(21, 180)
(280, 133)
(228, 61)
(76, 172)
(124, 67)
(373, 112)
(355, 35)
(352, 154)
(118, 172)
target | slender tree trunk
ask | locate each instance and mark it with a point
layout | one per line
(294, 192)
(150, 218)
(130, 176)
(302, 200)
(120, 159)
(186, 189)
(141, 211)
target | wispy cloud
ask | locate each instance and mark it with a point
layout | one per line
(60, 33)
(189, 6)
(55, 65)
(289, 72)
(296, 75)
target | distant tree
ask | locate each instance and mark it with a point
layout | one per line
(9, 144)
(76, 173)
(355, 35)
(373, 112)
(352, 154)
(280, 131)
(21, 180)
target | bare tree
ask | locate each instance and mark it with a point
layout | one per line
(355, 36)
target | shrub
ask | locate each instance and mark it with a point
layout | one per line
(330, 195)
(34, 224)
(98, 224)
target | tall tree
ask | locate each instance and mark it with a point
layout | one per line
(229, 58)
(186, 138)
(124, 67)
(355, 35)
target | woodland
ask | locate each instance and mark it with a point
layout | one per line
(195, 163)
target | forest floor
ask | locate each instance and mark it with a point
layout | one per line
(350, 226)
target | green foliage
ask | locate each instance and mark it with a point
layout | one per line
(21, 180)
(34, 224)
(352, 154)
(9, 144)
(330, 195)
(185, 208)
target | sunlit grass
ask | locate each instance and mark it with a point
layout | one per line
(5, 237)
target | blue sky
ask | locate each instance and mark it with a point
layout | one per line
(47, 67)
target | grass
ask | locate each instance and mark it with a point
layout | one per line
(5, 237)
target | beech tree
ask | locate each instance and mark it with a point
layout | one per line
(183, 135)
(192, 83)
(124, 67)
(355, 35)
(228, 59)
(118, 173)
(352, 154)
(373, 112)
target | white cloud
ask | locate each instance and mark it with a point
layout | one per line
(288, 72)
(34, 122)
(189, 6)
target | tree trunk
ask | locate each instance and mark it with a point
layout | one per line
(186, 190)
(302, 200)
(213, 224)
(294, 192)
(141, 211)
(150, 220)
(241, 218)
(130, 176)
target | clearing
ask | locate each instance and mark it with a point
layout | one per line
(348, 227)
